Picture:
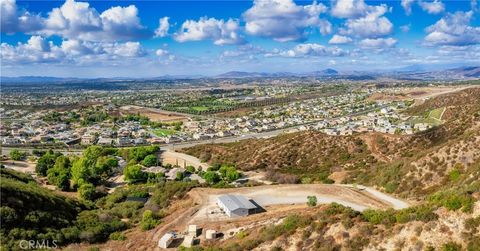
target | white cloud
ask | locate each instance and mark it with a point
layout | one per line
(122, 23)
(434, 7)
(405, 28)
(372, 25)
(161, 52)
(309, 50)
(338, 39)
(219, 31)
(453, 29)
(349, 8)
(128, 49)
(246, 52)
(38, 50)
(13, 20)
(283, 20)
(378, 43)
(325, 27)
(76, 20)
(163, 26)
(407, 6)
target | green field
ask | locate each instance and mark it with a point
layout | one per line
(437, 113)
(163, 132)
(200, 108)
(433, 117)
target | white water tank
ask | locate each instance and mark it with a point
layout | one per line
(210, 234)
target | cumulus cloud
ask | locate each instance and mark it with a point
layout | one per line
(338, 39)
(14, 20)
(454, 30)
(76, 20)
(378, 43)
(407, 6)
(283, 20)
(163, 26)
(128, 49)
(219, 31)
(38, 50)
(349, 8)
(309, 50)
(372, 25)
(434, 7)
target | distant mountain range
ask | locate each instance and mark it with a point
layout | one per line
(34, 79)
(469, 72)
(242, 74)
(414, 72)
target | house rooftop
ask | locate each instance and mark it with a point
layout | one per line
(233, 202)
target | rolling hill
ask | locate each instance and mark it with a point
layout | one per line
(412, 166)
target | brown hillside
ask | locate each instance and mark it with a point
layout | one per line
(411, 165)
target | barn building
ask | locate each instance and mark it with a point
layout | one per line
(236, 205)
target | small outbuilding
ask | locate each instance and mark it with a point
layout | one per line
(210, 234)
(193, 230)
(236, 205)
(166, 240)
(188, 241)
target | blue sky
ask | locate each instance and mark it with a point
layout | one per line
(153, 38)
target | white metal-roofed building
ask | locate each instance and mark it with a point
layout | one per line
(166, 240)
(235, 205)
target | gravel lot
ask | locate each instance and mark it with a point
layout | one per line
(358, 198)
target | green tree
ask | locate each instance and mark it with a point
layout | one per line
(80, 172)
(87, 191)
(211, 177)
(17, 155)
(190, 169)
(139, 153)
(229, 173)
(149, 220)
(134, 173)
(312, 201)
(232, 174)
(179, 176)
(46, 162)
(104, 165)
(214, 167)
(8, 217)
(59, 174)
(150, 160)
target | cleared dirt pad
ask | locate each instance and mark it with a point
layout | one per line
(153, 114)
(266, 196)
(181, 159)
